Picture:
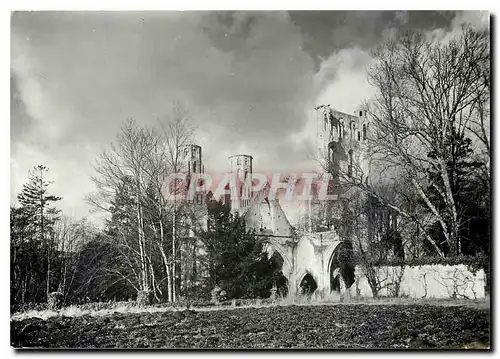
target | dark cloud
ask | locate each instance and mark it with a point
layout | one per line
(250, 80)
(229, 30)
(326, 32)
(110, 68)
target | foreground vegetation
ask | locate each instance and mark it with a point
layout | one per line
(425, 200)
(277, 327)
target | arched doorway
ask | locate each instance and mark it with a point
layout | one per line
(279, 281)
(335, 276)
(342, 267)
(308, 285)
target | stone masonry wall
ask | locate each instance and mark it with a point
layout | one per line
(427, 281)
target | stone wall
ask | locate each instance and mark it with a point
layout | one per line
(426, 281)
(267, 217)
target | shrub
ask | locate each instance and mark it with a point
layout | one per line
(26, 307)
(218, 295)
(202, 304)
(144, 298)
(55, 301)
(474, 262)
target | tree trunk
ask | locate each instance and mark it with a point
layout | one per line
(140, 238)
(174, 234)
(48, 277)
(164, 256)
(169, 284)
(23, 293)
(450, 202)
(65, 273)
(371, 276)
(167, 271)
(153, 278)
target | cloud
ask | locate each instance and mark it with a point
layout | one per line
(477, 19)
(340, 79)
(20, 119)
(79, 75)
(250, 79)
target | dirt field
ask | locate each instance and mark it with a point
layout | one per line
(327, 326)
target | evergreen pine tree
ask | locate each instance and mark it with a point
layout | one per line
(237, 261)
(36, 202)
(470, 193)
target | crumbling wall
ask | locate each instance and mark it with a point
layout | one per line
(426, 281)
(268, 217)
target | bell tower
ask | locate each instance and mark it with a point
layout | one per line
(192, 165)
(240, 171)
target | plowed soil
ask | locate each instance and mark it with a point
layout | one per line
(313, 327)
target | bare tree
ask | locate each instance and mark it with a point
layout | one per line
(428, 96)
(123, 165)
(140, 163)
(70, 236)
(177, 133)
(379, 180)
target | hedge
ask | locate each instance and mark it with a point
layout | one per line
(474, 262)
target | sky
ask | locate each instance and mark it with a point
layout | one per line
(250, 81)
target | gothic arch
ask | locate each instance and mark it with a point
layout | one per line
(301, 278)
(329, 270)
(341, 129)
(287, 262)
(315, 283)
(331, 251)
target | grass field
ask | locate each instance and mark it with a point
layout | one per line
(275, 327)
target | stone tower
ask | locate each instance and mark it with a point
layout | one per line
(240, 171)
(191, 155)
(193, 164)
(190, 270)
(342, 150)
(342, 140)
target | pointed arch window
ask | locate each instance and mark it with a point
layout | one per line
(349, 168)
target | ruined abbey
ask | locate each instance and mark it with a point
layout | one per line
(309, 253)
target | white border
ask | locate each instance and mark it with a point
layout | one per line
(182, 5)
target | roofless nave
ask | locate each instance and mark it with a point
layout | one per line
(309, 253)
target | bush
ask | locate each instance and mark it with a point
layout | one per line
(26, 307)
(267, 301)
(96, 306)
(144, 298)
(55, 301)
(218, 294)
(474, 262)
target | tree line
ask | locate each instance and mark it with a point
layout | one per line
(427, 192)
(427, 188)
(150, 247)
